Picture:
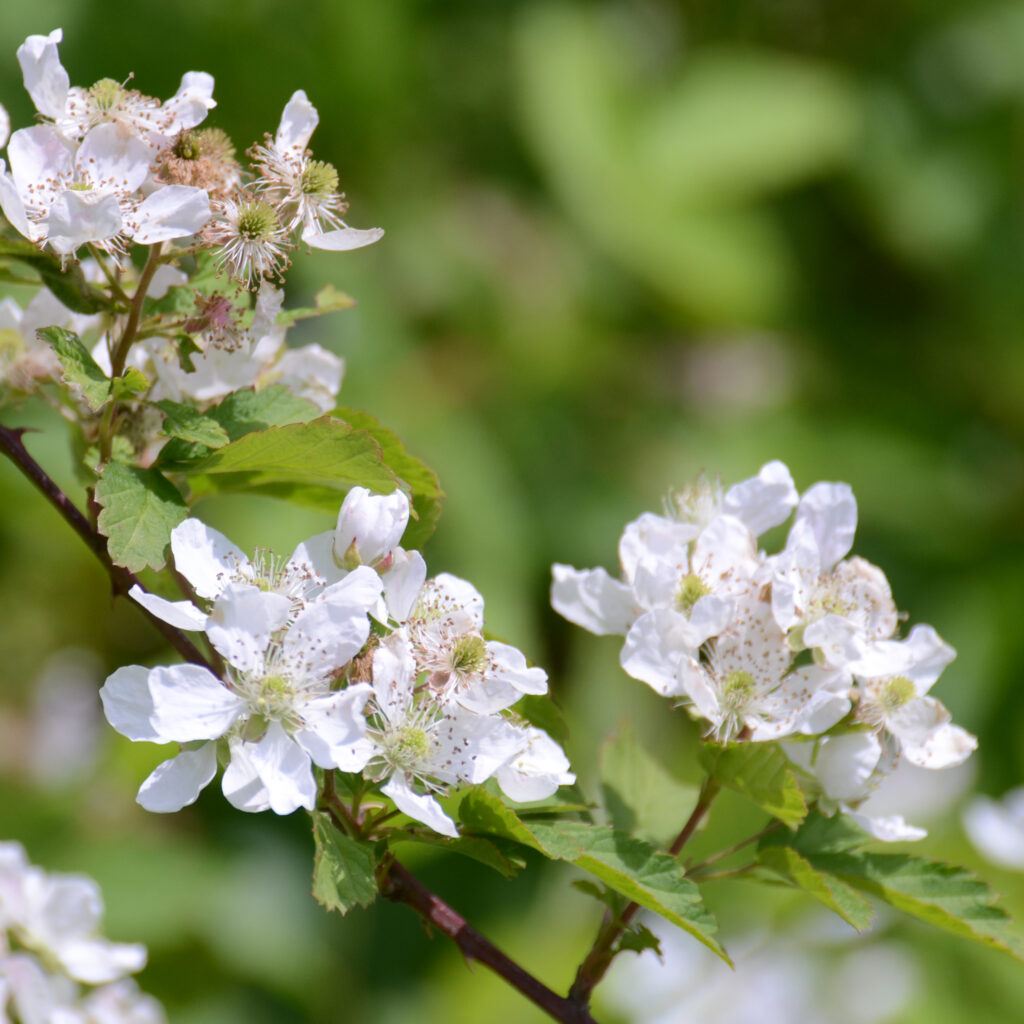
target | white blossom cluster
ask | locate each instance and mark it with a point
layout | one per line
(345, 657)
(55, 966)
(108, 169)
(797, 645)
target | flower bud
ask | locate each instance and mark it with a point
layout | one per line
(369, 525)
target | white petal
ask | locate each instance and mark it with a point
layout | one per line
(190, 703)
(80, 217)
(471, 747)
(42, 163)
(334, 724)
(241, 783)
(763, 501)
(14, 208)
(242, 621)
(316, 556)
(298, 122)
(180, 614)
(654, 538)
(592, 599)
(890, 829)
(341, 239)
(403, 583)
(205, 557)
(128, 704)
(190, 103)
(422, 808)
(373, 522)
(358, 590)
(653, 652)
(996, 828)
(285, 770)
(46, 81)
(174, 211)
(845, 763)
(929, 655)
(176, 783)
(393, 679)
(831, 510)
(325, 636)
(112, 159)
(947, 746)
(509, 665)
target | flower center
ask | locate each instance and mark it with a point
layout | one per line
(469, 656)
(691, 589)
(257, 221)
(407, 746)
(106, 94)
(319, 179)
(738, 690)
(895, 694)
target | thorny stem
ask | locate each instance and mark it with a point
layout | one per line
(120, 578)
(605, 946)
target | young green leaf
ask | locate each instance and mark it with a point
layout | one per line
(187, 423)
(328, 300)
(139, 508)
(761, 773)
(640, 796)
(629, 866)
(79, 366)
(343, 868)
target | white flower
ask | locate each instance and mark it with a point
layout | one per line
(415, 741)
(308, 187)
(251, 241)
(277, 711)
(996, 828)
(58, 917)
(537, 770)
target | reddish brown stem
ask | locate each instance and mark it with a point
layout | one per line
(120, 578)
(401, 886)
(605, 947)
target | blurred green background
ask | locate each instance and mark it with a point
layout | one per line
(625, 242)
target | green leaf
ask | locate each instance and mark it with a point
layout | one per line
(312, 463)
(328, 300)
(187, 423)
(79, 366)
(785, 862)
(421, 481)
(639, 938)
(485, 851)
(540, 710)
(68, 284)
(762, 773)
(629, 866)
(139, 508)
(639, 795)
(944, 895)
(178, 300)
(344, 869)
(132, 383)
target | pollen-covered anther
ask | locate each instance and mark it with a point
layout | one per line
(691, 589)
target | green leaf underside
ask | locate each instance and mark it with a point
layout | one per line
(78, 365)
(420, 479)
(485, 851)
(629, 866)
(944, 895)
(68, 285)
(187, 423)
(640, 796)
(788, 865)
(761, 773)
(322, 457)
(343, 868)
(139, 508)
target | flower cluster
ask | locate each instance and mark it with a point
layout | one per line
(801, 644)
(50, 947)
(109, 169)
(416, 700)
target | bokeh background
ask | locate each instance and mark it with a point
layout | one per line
(626, 242)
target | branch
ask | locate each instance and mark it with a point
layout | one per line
(401, 886)
(604, 950)
(120, 578)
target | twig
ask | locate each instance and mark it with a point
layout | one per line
(120, 578)
(694, 869)
(401, 886)
(604, 949)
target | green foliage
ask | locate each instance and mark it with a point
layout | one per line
(629, 866)
(328, 300)
(82, 370)
(944, 895)
(312, 464)
(640, 796)
(761, 773)
(68, 284)
(139, 508)
(424, 487)
(344, 869)
(501, 857)
(187, 423)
